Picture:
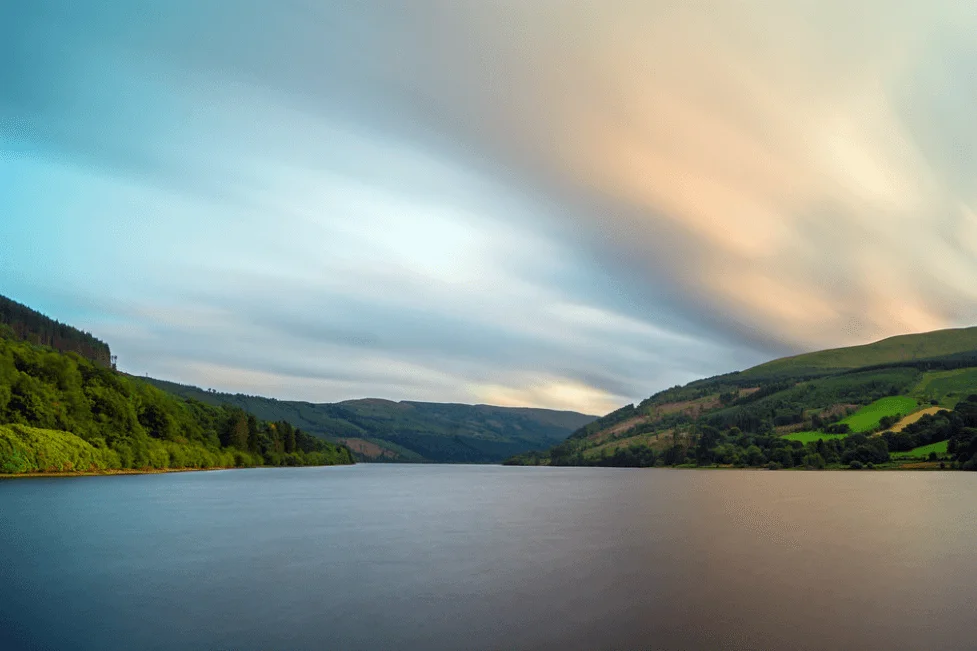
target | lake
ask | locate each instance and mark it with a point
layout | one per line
(477, 557)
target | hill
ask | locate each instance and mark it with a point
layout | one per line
(62, 412)
(901, 348)
(383, 430)
(30, 325)
(832, 408)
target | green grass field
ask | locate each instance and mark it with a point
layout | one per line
(947, 386)
(923, 452)
(867, 418)
(808, 437)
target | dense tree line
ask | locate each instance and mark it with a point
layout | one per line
(30, 325)
(950, 362)
(131, 423)
(733, 447)
(709, 446)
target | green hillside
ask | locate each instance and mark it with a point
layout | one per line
(831, 408)
(901, 348)
(62, 412)
(383, 430)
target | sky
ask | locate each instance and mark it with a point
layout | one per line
(550, 203)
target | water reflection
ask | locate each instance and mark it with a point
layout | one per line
(468, 557)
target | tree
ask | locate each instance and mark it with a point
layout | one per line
(708, 438)
(236, 432)
(814, 461)
(287, 434)
(755, 456)
(254, 440)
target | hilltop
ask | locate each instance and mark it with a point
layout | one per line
(901, 348)
(902, 401)
(409, 431)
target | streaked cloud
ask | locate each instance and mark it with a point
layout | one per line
(551, 203)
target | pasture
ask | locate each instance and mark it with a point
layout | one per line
(867, 418)
(809, 437)
(947, 386)
(922, 452)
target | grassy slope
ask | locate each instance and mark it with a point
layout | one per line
(894, 349)
(411, 431)
(808, 437)
(867, 418)
(940, 447)
(946, 387)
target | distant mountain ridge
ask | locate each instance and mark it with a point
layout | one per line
(384, 430)
(30, 325)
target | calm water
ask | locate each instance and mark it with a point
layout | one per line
(468, 557)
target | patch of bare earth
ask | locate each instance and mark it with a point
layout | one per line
(623, 426)
(657, 441)
(838, 410)
(790, 429)
(690, 407)
(912, 418)
(368, 449)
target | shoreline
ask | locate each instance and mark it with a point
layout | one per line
(108, 473)
(143, 471)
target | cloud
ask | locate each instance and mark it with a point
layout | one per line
(536, 203)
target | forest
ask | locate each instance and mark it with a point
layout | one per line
(20, 321)
(63, 412)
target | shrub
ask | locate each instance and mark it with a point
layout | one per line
(28, 449)
(814, 461)
(855, 464)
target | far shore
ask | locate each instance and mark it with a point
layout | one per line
(919, 465)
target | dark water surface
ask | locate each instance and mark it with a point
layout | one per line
(469, 557)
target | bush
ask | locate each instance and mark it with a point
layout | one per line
(773, 465)
(28, 449)
(855, 464)
(870, 465)
(814, 461)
